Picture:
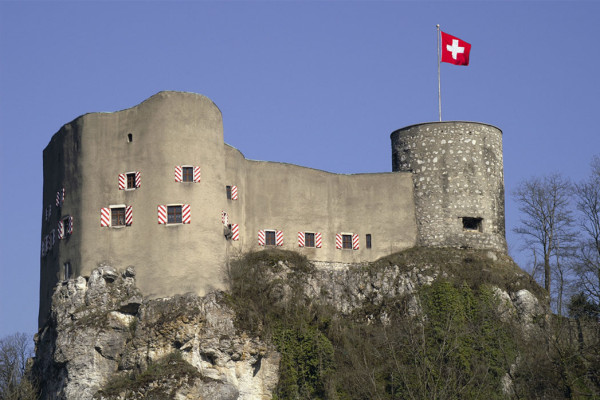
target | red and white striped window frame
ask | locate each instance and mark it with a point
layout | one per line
(174, 214)
(65, 227)
(352, 242)
(108, 215)
(196, 175)
(232, 192)
(60, 197)
(305, 237)
(130, 180)
(270, 237)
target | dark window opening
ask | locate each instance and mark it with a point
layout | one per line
(228, 189)
(270, 238)
(472, 224)
(227, 231)
(188, 174)
(118, 216)
(130, 137)
(131, 181)
(309, 240)
(67, 271)
(368, 238)
(346, 241)
(174, 214)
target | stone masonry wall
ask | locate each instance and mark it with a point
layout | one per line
(457, 173)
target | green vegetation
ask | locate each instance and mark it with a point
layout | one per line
(455, 347)
(475, 267)
(171, 367)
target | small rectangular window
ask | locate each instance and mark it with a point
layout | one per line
(174, 214)
(270, 238)
(117, 216)
(228, 189)
(309, 239)
(346, 241)
(67, 271)
(188, 174)
(472, 224)
(368, 239)
(131, 180)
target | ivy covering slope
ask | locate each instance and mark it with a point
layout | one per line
(457, 345)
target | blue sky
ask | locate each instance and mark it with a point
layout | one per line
(319, 84)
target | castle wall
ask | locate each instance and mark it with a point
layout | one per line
(293, 199)
(458, 182)
(443, 173)
(168, 130)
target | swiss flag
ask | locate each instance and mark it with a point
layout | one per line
(454, 50)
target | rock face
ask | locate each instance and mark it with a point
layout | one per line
(104, 340)
(102, 334)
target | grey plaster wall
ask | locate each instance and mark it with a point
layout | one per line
(295, 199)
(87, 156)
(457, 172)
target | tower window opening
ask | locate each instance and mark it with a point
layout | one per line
(368, 239)
(129, 137)
(228, 189)
(472, 224)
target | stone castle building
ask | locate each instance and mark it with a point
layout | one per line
(155, 186)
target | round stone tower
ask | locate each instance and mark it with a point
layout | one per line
(458, 182)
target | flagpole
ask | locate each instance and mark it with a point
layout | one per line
(439, 81)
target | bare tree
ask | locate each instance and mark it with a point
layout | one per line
(588, 256)
(546, 223)
(14, 352)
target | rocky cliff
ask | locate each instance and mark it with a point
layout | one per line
(105, 340)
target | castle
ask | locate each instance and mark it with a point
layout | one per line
(156, 187)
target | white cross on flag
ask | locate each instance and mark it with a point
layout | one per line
(454, 50)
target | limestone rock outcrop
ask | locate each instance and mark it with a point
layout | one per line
(103, 337)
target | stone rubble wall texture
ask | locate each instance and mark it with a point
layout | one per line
(457, 172)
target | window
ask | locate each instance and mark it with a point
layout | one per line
(129, 137)
(232, 192)
(309, 239)
(174, 214)
(65, 227)
(117, 216)
(67, 271)
(270, 238)
(346, 241)
(131, 181)
(368, 239)
(60, 197)
(188, 174)
(472, 224)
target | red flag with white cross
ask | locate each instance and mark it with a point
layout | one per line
(454, 50)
